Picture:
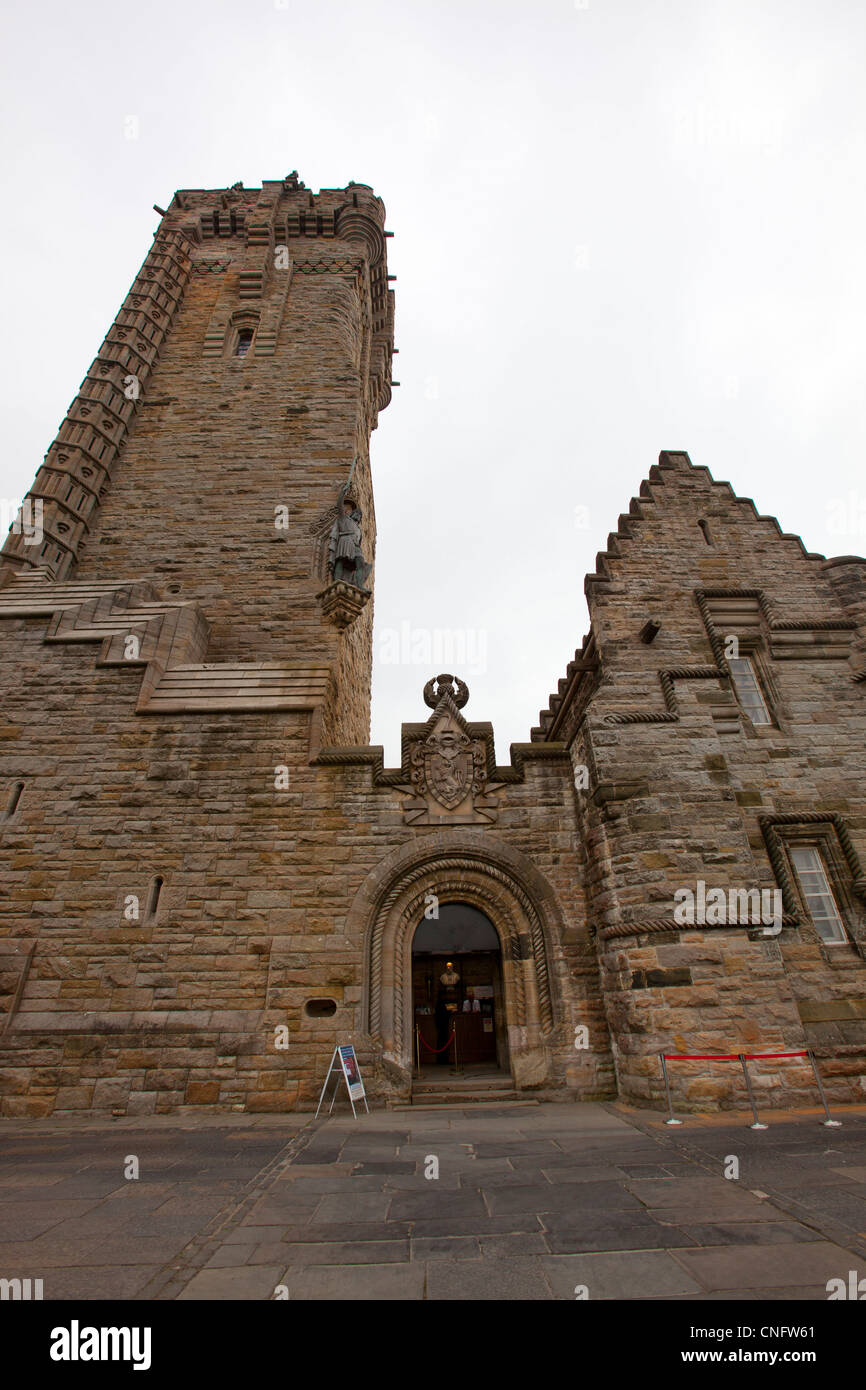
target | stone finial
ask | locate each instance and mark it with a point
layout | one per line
(446, 685)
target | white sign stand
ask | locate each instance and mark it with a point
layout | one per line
(351, 1072)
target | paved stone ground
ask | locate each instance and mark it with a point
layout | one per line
(531, 1200)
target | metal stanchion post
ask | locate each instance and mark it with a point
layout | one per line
(670, 1120)
(757, 1124)
(828, 1123)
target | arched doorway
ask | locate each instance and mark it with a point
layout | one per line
(457, 990)
(460, 866)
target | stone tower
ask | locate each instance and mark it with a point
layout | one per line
(173, 647)
(206, 448)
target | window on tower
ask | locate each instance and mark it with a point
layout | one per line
(823, 909)
(245, 338)
(748, 690)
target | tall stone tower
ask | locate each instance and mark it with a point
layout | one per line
(173, 648)
(205, 451)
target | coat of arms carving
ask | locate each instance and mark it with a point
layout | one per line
(448, 763)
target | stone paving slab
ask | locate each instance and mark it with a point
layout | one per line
(530, 1201)
(760, 1266)
(379, 1282)
(248, 1282)
(644, 1274)
(746, 1233)
(599, 1231)
(488, 1280)
(374, 1252)
(570, 1197)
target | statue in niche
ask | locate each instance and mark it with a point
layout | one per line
(346, 563)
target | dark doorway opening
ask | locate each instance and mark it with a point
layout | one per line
(459, 1012)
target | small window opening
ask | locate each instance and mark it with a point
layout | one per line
(14, 798)
(705, 528)
(153, 898)
(245, 338)
(748, 690)
(216, 224)
(818, 894)
(320, 1008)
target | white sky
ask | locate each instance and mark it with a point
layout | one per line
(619, 227)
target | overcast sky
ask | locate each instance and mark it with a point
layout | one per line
(620, 226)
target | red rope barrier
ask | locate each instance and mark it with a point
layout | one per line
(436, 1049)
(759, 1055)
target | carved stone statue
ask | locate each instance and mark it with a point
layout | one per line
(346, 561)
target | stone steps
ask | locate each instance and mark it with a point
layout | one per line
(456, 1090)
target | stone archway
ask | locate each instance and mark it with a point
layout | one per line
(473, 868)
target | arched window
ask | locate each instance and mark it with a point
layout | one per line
(244, 342)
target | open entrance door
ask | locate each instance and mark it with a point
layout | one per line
(458, 999)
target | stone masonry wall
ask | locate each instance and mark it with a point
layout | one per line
(151, 1016)
(682, 798)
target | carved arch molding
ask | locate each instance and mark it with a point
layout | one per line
(491, 876)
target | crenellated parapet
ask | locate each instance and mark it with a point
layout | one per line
(283, 229)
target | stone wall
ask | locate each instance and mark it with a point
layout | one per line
(255, 912)
(684, 787)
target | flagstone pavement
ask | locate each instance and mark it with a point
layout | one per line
(511, 1201)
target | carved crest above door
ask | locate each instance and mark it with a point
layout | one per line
(448, 762)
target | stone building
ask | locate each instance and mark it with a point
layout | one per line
(208, 875)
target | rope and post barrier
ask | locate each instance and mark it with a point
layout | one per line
(742, 1058)
(757, 1123)
(419, 1039)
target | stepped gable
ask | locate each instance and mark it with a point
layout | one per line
(845, 574)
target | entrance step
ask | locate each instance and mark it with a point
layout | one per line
(456, 1090)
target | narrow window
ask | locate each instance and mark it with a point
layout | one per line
(748, 689)
(153, 899)
(216, 224)
(245, 338)
(14, 798)
(818, 894)
(705, 528)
